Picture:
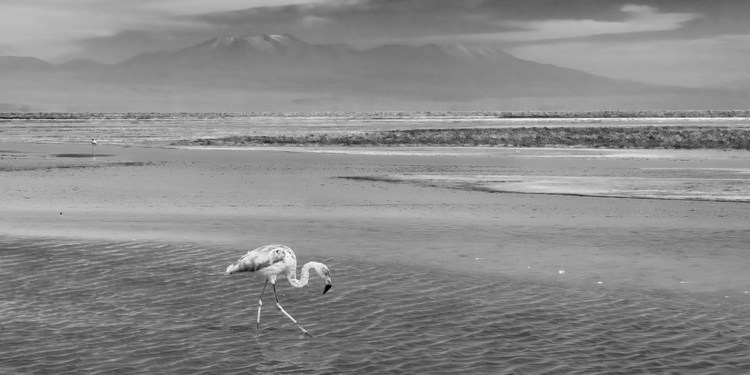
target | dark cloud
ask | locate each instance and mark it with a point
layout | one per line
(466, 14)
(378, 20)
(507, 9)
(354, 22)
(370, 22)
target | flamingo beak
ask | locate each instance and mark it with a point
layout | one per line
(327, 288)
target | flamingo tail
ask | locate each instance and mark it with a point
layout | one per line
(234, 267)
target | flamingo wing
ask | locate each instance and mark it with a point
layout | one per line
(258, 259)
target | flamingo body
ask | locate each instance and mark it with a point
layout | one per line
(269, 261)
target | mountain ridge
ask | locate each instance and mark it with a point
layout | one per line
(248, 72)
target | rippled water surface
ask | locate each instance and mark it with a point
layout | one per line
(141, 307)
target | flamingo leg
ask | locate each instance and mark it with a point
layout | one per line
(260, 306)
(278, 306)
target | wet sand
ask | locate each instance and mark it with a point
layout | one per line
(243, 198)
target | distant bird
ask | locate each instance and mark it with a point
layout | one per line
(93, 144)
(270, 261)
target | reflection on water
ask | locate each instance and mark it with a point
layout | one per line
(100, 307)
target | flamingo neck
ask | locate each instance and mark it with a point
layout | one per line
(304, 276)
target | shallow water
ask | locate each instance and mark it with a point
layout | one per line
(144, 307)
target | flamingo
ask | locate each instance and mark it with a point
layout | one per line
(270, 261)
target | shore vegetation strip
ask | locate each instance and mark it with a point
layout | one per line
(645, 137)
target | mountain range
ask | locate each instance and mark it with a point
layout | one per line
(283, 73)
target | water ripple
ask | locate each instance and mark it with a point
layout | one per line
(136, 307)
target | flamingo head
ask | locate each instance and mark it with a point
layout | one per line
(324, 273)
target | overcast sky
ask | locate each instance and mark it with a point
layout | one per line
(686, 42)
